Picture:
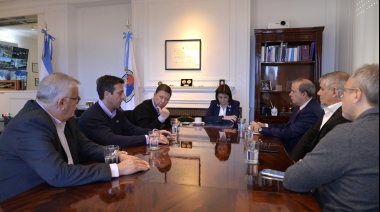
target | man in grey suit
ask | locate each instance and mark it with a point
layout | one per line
(332, 115)
(42, 144)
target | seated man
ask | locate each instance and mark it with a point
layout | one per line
(152, 113)
(344, 166)
(329, 95)
(105, 123)
(304, 116)
(42, 144)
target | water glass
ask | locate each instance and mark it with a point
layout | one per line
(251, 151)
(241, 123)
(111, 154)
(248, 134)
(174, 133)
(174, 122)
(153, 139)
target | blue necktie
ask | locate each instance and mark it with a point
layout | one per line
(158, 111)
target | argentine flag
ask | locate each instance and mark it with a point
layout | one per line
(47, 54)
(131, 80)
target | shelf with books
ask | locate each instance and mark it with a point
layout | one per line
(283, 55)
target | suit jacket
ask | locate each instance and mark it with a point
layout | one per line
(31, 153)
(212, 114)
(311, 138)
(291, 132)
(145, 115)
(100, 128)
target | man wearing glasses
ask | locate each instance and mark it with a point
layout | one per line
(329, 94)
(105, 123)
(343, 168)
(152, 113)
(42, 144)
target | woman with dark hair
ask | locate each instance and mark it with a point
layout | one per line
(223, 110)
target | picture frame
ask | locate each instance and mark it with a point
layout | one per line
(186, 82)
(36, 80)
(266, 85)
(35, 67)
(183, 54)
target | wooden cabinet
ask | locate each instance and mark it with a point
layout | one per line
(283, 55)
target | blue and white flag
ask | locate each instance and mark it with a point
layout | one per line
(130, 77)
(47, 54)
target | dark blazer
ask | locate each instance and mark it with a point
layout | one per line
(311, 138)
(100, 128)
(31, 153)
(212, 114)
(291, 132)
(145, 115)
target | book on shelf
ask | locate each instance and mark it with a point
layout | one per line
(305, 50)
(283, 52)
(263, 48)
(312, 50)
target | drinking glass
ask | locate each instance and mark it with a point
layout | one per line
(174, 134)
(251, 150)
(153, 139)
(111, 154)
(241, 123)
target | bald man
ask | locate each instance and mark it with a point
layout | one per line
(304, 116)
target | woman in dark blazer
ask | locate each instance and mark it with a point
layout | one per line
(223, 110)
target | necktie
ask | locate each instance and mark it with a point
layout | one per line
(158, 111)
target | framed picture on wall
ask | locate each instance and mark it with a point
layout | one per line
(183, 54)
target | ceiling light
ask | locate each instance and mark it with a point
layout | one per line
(32, 27)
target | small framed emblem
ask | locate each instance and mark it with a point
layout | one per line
(186, 82)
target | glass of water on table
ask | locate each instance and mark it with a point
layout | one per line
(111, 154)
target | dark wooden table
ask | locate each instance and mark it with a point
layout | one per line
(190, 176)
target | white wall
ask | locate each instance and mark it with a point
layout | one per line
(223, 27)
(100, 45)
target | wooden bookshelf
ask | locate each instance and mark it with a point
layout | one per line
(280, 70)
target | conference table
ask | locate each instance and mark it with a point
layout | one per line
(204, 170)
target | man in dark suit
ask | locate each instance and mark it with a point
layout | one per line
(304, 116)
(105, 123)
(42, 144)
(152, 113)
(330, 84)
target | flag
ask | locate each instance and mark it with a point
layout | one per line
(131, 80)
(47, 54)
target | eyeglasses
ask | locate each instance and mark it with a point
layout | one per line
(77, 98)
(342, 91)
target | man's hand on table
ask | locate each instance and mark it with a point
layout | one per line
(131, 164)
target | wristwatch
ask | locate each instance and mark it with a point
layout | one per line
(260, 129)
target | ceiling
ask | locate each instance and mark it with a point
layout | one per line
(20, 26)
(20, 20)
